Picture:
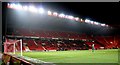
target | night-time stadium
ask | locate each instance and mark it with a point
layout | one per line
(43, 33)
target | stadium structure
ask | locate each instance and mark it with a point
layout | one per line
(30, 31)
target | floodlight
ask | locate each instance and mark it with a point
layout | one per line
(8, 5)
(15, 6)
(25, 8)
(102, 24)
(87, 20)
(12, 5)
(41, 10)
(18, 6)
(55, 13)
(61, 15)
(81, 19)
(76, 18)
(91, 22)
(70, 17)
(32, 9)
(107, 25)
(96, 23)
(49, 13)
(66, 16)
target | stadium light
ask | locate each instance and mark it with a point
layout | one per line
(25, 8)
(49, 13)
(15, 6)
(61, 15)
(76, 18)
(102, 24)
(55, 13)
(91, 22)
(41, 10)
(96, 23)
(66, 16)
(107, 25)
(70, 17)
(8, 5)
(32, 9)
(12, 5)
(87, 20)
(18, 6)
(81, 19)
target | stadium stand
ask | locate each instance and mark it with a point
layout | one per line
(59, 40)
(62, 40)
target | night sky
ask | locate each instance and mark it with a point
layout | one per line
(101, 12)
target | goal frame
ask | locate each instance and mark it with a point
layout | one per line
(5, 46)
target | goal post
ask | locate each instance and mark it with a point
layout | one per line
(21, 46)
(10, 46)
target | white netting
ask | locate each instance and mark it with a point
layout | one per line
(11, 45)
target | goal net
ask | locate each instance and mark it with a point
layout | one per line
(12, 46)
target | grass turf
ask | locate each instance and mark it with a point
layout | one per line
(79, 56)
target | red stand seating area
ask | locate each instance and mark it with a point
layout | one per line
(39, 45)
(49, 34)
(107, 42)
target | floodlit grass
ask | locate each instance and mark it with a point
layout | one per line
(79, 56)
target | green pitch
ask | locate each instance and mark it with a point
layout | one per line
(79, 56)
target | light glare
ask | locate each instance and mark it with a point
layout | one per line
(96, 23)
(32, 9)
(12, 5)
(8, 5)
(76, 18)
(55, 13)
(41, 10)
(70, 17)
(49, 13)
(61, 15)
(102, 24)
(66, 16)
(81, 19)
(91, 22)
(87, 21)
(25, 8)
(18, 6)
